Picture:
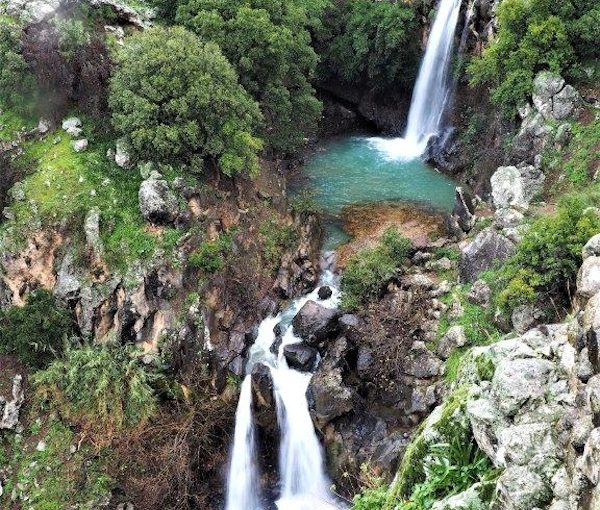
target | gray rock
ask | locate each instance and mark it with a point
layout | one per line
(464, 209)
(466, 500)
(593, 394)
(515, 187)
(157, 202)
(72, 125)
(545, 86)
(301, 357)
(11, 408)
(519, 488)
(328, 397)
(349, 323)
(44, 126)
(32, 11)
(507, 218)
(480, 294)
(121, 155)
(518, 381)
(527, 444)
(488, 248)
(455, 337)
(421, 362)
(526, 317)
(123, 12)
(566, 103)
(417, 281)
(315, 323)
(563, 135)
(532, 138)
(68, 281)
(364, 362)
(80, 145)
(588, 278)
(91, 227)
(589, 462)
(591, 248)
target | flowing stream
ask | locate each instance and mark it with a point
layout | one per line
(353, 171)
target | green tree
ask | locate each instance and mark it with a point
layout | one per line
(176, 99)
(17, 84)
(268, 43)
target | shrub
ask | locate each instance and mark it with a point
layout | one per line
(305, 203)
(36, 332)
(176, 99)
(102, 389)
(276, 239)
(208, 257)
(269, 45)
(369, 269)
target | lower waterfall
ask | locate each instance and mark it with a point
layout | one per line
(303, 481)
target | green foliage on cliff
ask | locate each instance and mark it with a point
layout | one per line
(104, 390)
(536, 35)
(17, 85)
(376, 43)
(368, 270)
(268, 44)
(36, 332)
(176, 99)
(548, 257)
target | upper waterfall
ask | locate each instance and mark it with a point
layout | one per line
(431, 92)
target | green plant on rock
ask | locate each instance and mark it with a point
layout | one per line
(176, 99)
(36, 332)
(105, 390)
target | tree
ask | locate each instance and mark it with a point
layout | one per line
(176, 99)
(268, 43)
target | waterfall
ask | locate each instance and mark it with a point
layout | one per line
(242, 492)
(304, 483)
(431, 92)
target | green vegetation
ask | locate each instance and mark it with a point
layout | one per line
(548, 257)
(305, 203)
(47, 471)
(536, 35)
(368, 270)
(371, 42)
(268, 44)
(210, 255)
(104, 390)
(35, 333)
(276, 239)
(176, 99)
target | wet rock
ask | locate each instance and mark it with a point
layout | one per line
(315, 323)
(262, 393)
(480, 294)
(455, 337)
(483, 253)
(328, 397)
(325, 292)
(515, 187)
(158, 204)
(301, 357)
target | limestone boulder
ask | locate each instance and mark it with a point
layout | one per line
(515, 187)
(488, 248)
(158, 203)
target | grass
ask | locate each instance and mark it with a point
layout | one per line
(11, 123)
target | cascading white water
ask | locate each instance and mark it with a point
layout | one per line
(242, 493)
(304, 484)
(431, 92)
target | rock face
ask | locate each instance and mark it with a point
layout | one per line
(515, 187)
(158, 204)
(9, 409)
(328, 396)
(553, 98)
(315, 323)
(588, 278)
(488, 248)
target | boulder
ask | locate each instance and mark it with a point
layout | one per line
(588, 278)
(507, 218)
(480, 294)
(421, 362)
(488, 248)
(464, 209)
(531, 139)
(91, 227)
(349, 323)
(32, 11)
(315, 323)
(157, 202)
(80, 145)
(469, 499)
(301, 357)
(262, 396)
(566, 103)
(454, 337)
(122, 12)
(364, 362)
(328, 397)
(121, 155)
(519, 488)
(553, 99)
(591, 248)
(589, 463)
(515, 187)
(325, 292)
(10, 409)
(526, 317)
(72, 125)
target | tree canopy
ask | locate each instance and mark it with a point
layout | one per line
(176, 99)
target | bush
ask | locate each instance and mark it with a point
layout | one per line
(369, 269)
(536, 35)
(177, 100)
(208, 257)
(36, 332)
(102, 389)
(548, 257)
(268, 44)
(373, 42)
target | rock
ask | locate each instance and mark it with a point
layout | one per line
(364, 362)
(480, 294)
(91, 227)
(563, 135)
(588, 278)
(526, 317)
(72, 125)
(11, 408)
(421, 362)
(262, 396)
(122, 12)
(315, 323)
(80, 145)
(545, 86)
(325, 292)
(158, 204)
(591, 248)
(44, 126)
(68, 281)
(593, 394)
(589, 462)
(349, 323)
(566, 103)
(507, 218)
(121, 155)
(518, 381)
(417, 281)
(328, 397)
(466, 500)
(32, 11)
(488, 248)
(515, 187)
(532, 138)
(519, 488)
(464, 209)
(301, 357)
(454, 337)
